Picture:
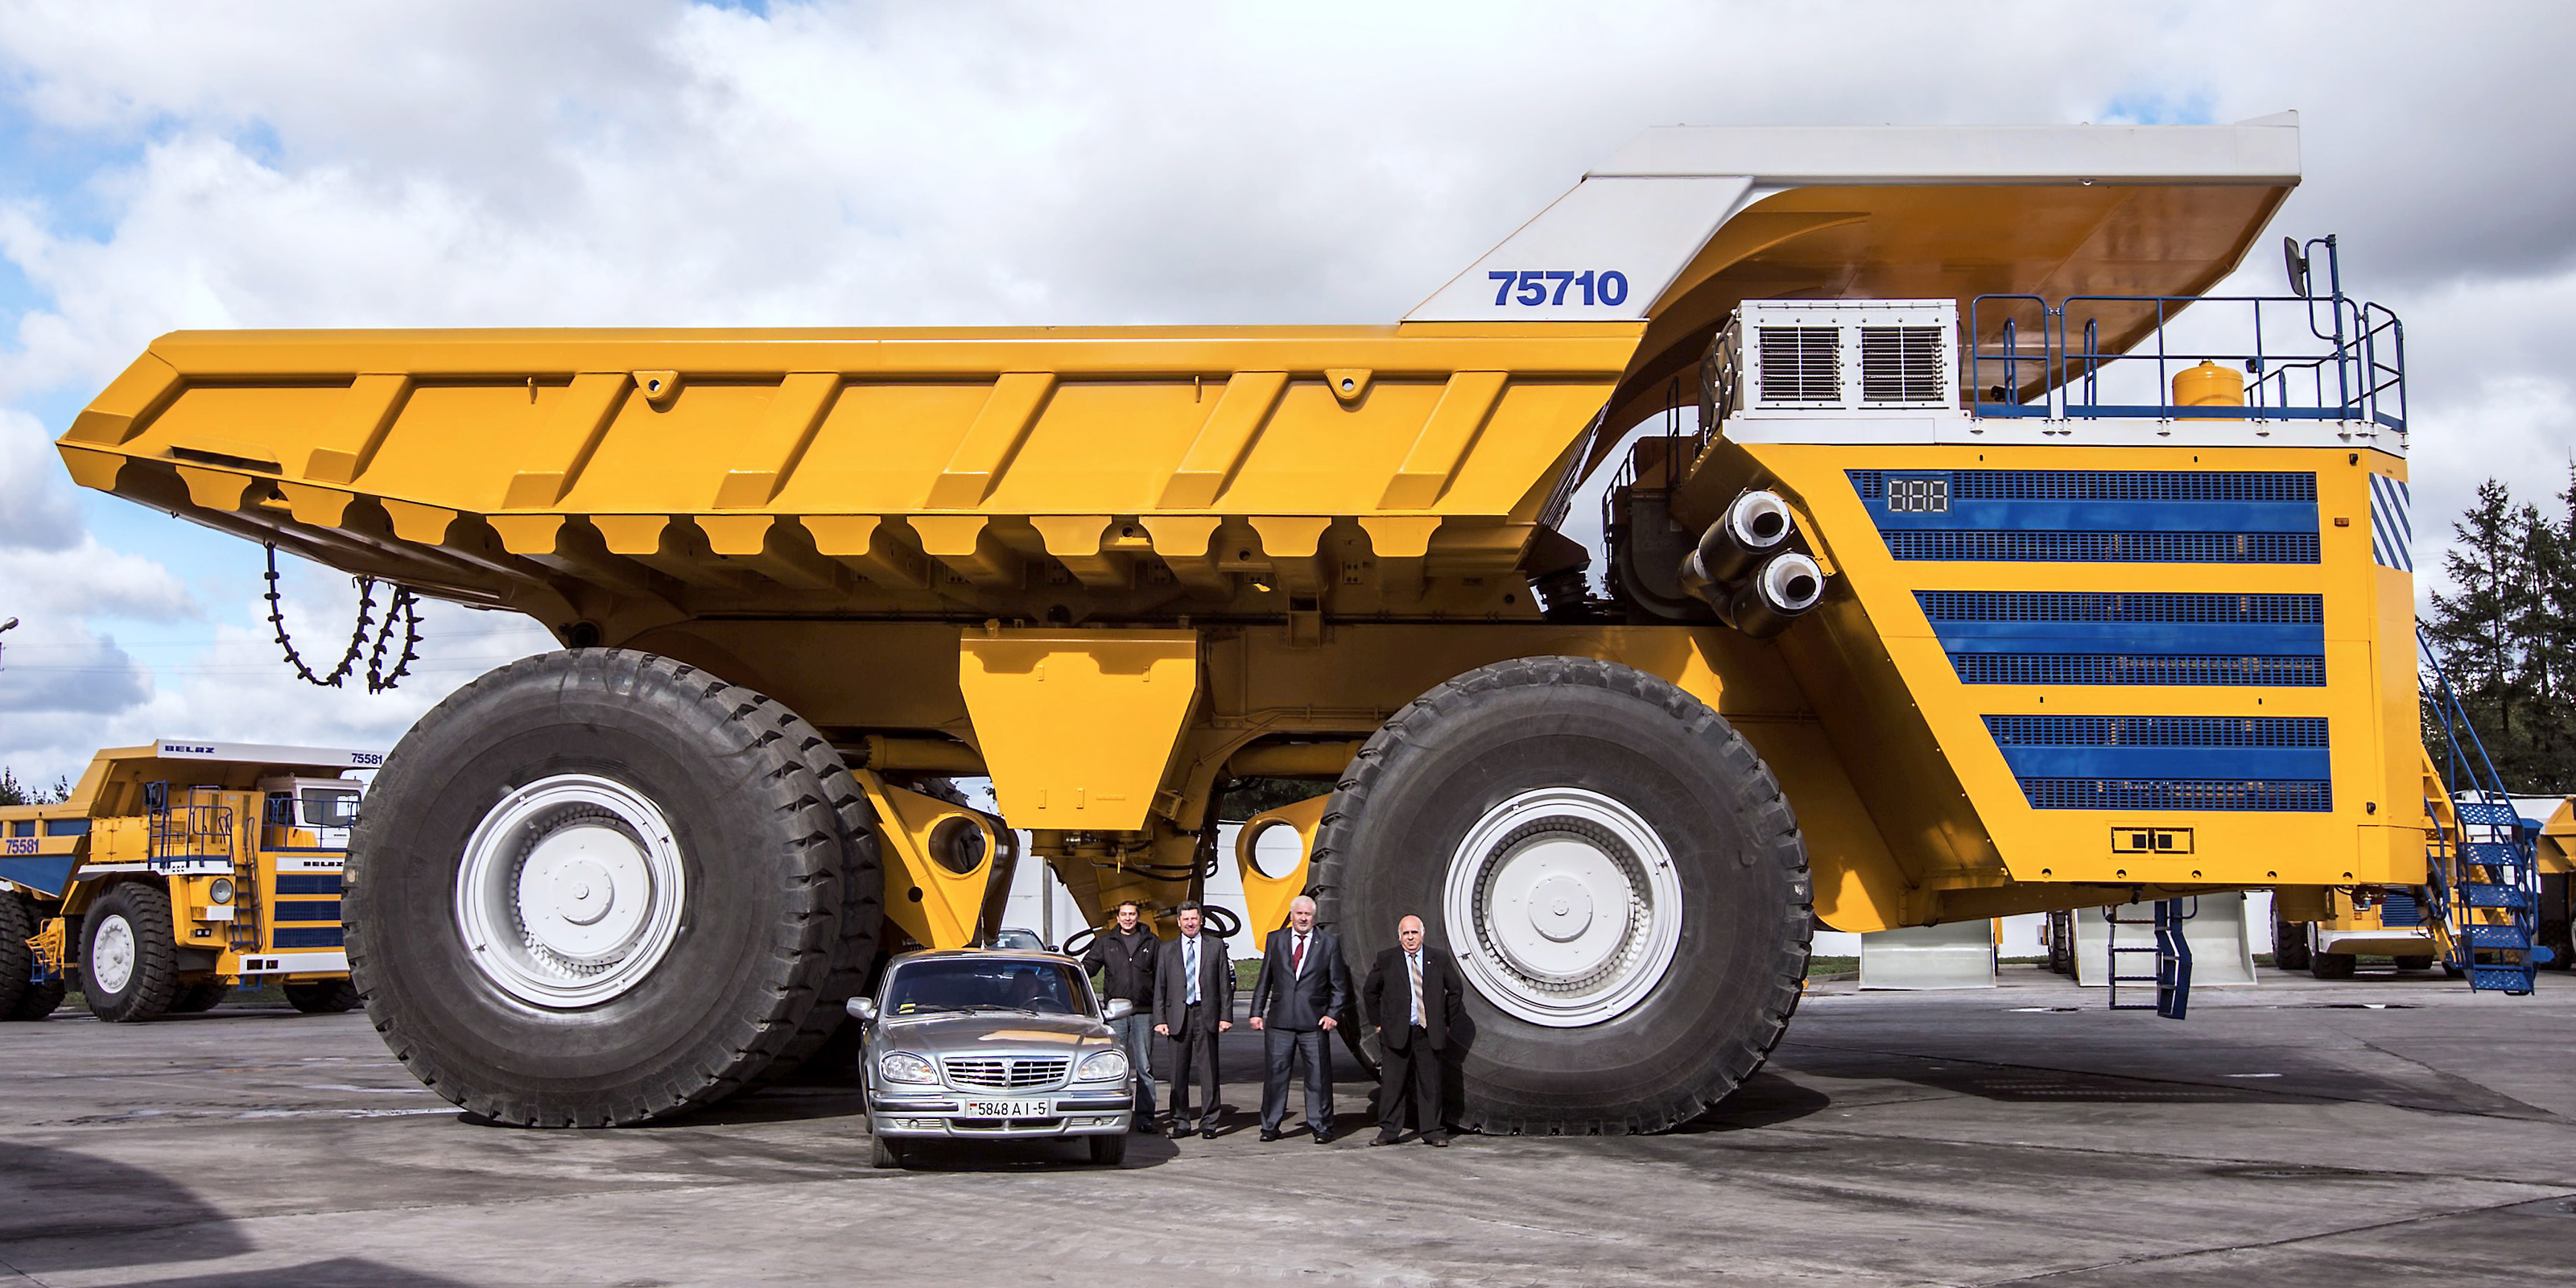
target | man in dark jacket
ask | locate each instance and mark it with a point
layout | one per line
(1124, 956)
(1193, 1002)
(1304, 988)
(1410, 994)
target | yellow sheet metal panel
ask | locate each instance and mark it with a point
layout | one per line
(1266, 897)
(1077, 727)
(1883, 679)
(2557, 846)
(935, 875)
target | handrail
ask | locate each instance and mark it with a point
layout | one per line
(2350, 363)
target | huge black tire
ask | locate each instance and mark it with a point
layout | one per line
(750, 916)
(125, 941)
(2290, 945)
(20, 998)
(323, 997)
(1513, 732)
(854, 960)
(2419, 962)
(2332, 965)
(200, 997)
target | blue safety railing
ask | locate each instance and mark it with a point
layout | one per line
(2486, 883)
(2306, 356)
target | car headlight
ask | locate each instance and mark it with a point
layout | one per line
(1104, 1066)
(904, 1066)
(220, 890)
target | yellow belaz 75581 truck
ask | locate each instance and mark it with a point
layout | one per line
(1986, 579)
(175, 872)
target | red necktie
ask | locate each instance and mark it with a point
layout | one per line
(1297, 957)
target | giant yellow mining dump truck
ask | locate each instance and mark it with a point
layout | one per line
(175, 872)
(1940, 577)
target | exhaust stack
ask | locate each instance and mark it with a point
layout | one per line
(1786, 586)
(1756, 524)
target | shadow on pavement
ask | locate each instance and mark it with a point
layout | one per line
(64, 1212)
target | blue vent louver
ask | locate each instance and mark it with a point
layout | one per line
(2233, 763)
(2104, 547)
(316, 937)
(2116, 668)
(2109, 485)
(2178, 794)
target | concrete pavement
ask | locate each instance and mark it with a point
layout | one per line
(2382, 1132)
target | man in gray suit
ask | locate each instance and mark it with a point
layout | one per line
(1304, 988)
(1193, 1002)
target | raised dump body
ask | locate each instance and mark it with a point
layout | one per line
(175, 872)
(1945, 607)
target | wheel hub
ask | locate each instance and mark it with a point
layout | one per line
(570, 891)
(111, 951)
(1569, 904)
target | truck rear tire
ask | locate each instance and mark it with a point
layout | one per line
(129, 963)
(200, 997)
(323, 997)
(1623, 885)
(2332, 965)
(593, 888)
(2290, 945)
(21, 999)
(862, 908)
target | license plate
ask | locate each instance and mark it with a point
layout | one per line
(1007, 1109)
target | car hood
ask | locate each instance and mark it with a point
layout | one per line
(962, 1034)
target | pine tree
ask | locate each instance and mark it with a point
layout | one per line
(2507, 638)
(10, 792)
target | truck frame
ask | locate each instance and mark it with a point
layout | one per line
(1977, 584)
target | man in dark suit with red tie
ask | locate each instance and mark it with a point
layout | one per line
(1411, 992)
(1304, 987)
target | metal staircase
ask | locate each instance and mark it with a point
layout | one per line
(2171, 974)
(2485, 876)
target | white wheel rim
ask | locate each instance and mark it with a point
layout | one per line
(111, 954)
(1564, 907)
(570, 891)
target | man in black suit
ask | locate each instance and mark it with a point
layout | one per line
(1410, 994)
(1304, 986)
(1193, 1002)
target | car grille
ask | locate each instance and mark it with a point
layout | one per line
(1002, 1074)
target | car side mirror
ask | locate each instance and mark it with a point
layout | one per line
(861, 1008)
(1119, 1008)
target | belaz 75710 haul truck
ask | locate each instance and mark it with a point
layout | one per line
(1943, 607)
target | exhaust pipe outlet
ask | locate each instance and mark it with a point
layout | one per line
(1756, 524)
(1787, 586)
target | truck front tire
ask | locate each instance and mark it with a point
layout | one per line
(129, 962)
(596, 887)
(1616, 871)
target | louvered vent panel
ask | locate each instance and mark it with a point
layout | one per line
(1798, 365)
(1901, 364)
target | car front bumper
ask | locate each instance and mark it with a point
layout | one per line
(944, 1113)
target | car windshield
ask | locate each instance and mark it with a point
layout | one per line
(994, 984)
(1019, 939)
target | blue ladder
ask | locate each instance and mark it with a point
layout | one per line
(2485, 875)
(2172, 974)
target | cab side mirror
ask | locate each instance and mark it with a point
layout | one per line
(861, 1008)
(1119, 1008)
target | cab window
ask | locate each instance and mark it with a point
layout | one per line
(329, 807)
(23, 827)
(66, 827)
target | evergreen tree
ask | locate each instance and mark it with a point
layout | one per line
(10, 792)
(2507, 637)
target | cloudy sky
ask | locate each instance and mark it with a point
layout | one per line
(470, 163)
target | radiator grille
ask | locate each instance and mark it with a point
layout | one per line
(2115, 668)
(308, 937)
(2159, 731)
(2128, 606)
(2110, 485)
(1005, 1074)
(2106, 547)
(307, 910)
(308, 883)
(1799, 364)
(2301, 795)
(1901, 364)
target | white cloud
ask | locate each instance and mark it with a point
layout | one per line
(481, 162)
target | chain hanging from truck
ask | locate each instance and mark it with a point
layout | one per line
(402, 607)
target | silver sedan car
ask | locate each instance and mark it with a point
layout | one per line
(986, 1044)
